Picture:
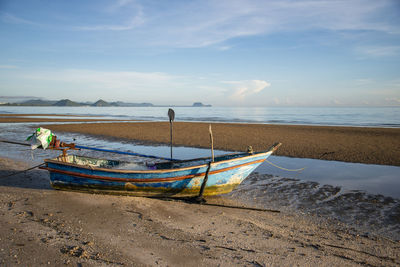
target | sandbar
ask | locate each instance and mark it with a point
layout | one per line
(348, 144)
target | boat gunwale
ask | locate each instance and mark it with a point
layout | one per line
(159, 170)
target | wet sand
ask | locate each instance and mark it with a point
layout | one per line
(349, 144)
(41, 226)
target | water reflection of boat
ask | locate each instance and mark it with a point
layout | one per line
(186, 178)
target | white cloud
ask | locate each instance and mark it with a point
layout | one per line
(156, 87)
(242, 89)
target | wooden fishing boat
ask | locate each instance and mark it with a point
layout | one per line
(186, 178)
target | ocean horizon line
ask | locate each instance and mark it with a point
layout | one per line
(383, 117)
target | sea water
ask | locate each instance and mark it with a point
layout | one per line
(375, 179)
(336, 116)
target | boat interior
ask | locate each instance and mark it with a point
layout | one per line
(144, 165)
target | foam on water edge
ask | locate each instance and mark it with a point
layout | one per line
(370, 213)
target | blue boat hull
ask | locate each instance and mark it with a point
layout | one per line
(170, 179)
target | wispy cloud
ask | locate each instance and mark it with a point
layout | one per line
(8, 67)
(20, 97)
(12, 19)
(202, 23)
(363, 81)
(112, 85)
(103, 79)
(129, 25)
(138, 86)
(224, 48)
(336, 102)
(239, 90)
(116, 12)
(378, 51)
(120, 4)
(392, 100)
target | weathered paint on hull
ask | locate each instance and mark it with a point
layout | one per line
(149, 192)
(226, 173)
(218, 183)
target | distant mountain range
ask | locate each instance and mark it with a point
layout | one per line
(98, 103)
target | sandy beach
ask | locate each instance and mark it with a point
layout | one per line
(42, 226)
(349, 144)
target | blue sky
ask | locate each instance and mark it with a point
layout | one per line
(222, 52)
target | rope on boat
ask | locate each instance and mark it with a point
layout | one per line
(289, 170)
(124, 153)
(101, 149)
(15, 173)
(15, 143)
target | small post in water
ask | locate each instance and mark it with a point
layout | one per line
(171, 115)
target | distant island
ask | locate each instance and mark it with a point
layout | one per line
(98, 103)
(199, 104)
